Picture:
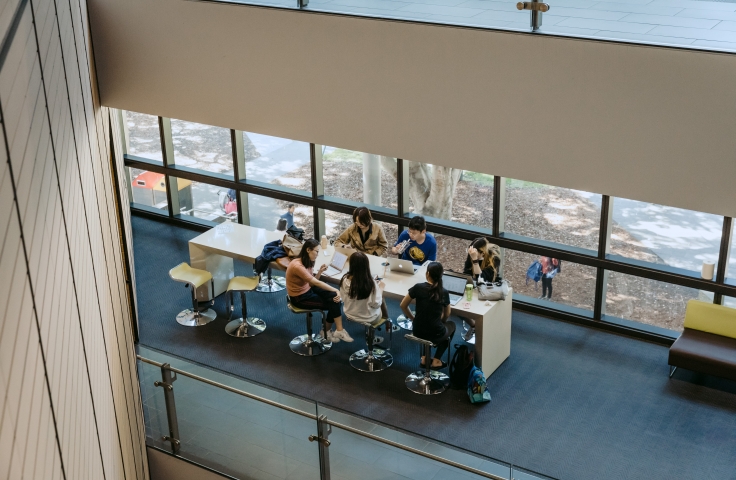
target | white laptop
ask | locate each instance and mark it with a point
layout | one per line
(339, 259)
(455, 286)
(402, 266)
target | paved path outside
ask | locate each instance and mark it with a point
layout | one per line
(682, 238)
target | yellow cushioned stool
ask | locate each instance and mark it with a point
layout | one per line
(194, 278)
(245, 326)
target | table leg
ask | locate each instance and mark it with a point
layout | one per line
(493, 337)
(221, 268)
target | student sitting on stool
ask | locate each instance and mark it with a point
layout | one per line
(307, 291)
(362, 295)
(433, 310)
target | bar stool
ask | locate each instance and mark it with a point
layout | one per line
(245, 326)
(372, 359)
(271, 284)
(309, 344)
(404, 322)
(194, 278)
(427, 382)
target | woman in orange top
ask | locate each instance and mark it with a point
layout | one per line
(306, 290)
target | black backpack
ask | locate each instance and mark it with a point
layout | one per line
(296, 232)
(462, 363)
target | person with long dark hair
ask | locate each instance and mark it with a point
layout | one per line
(362, 295)
(433, 310)
(550, 268)
(364, 235)
(482, 263)
(306, 290)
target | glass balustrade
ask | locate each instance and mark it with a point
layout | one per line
(248, 431)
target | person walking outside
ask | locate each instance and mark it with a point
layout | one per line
(550, 268)
(289, 215)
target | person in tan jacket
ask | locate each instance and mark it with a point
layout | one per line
(364, 235)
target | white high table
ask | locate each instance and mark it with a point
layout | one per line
(215, 250)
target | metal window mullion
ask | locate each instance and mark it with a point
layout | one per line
(604, 244)
(318, 188)
(499, 205)
(724, 255)
(402, 187)
(167, 153)
(239, 171)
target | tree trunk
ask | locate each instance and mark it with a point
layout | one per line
(431, 187)
(371, 179)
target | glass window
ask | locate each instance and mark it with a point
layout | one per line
(451, 194)
(207, 202)
(148, 188)
(731, 269)
(278, 161)
(336, 223)
(649, 301)
(144, 137)
(665, 235)
(451, 252)
(554, 214)
(359, 177)
(265, 212)
(573, 285)
(729, 302)
(202, 147)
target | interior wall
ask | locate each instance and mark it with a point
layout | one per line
(639, 122)
(70, 404)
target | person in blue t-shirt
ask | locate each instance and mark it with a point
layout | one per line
(416, 244)
(289, 215)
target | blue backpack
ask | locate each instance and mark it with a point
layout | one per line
(534, 272)
(477, 389)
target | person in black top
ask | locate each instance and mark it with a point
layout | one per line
(433, 310)
(483, 262)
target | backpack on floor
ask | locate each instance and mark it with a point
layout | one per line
(477, 388)
(462, 363)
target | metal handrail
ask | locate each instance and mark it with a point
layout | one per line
(323, 419)
(413, 450)
(230, 389)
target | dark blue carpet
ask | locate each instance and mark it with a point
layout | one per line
(571, 402)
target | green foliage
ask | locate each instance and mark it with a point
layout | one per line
(342, 155)
(512, 183)
(482, 178)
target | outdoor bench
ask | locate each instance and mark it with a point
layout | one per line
(708, 343)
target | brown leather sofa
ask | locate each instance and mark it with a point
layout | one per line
(708, 343)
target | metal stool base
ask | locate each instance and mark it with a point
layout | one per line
(380, 360)
(276, 285)
(465, 329)
(436, 383)
(404, 323)
(190, 318)
(316, 346)
(244, 329)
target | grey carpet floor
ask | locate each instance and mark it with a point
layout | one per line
(570, 402)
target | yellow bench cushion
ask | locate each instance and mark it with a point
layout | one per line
(711, 318)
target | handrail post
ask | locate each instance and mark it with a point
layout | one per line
(168, 385)
(322, 438)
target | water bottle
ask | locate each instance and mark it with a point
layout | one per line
(469, 292)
